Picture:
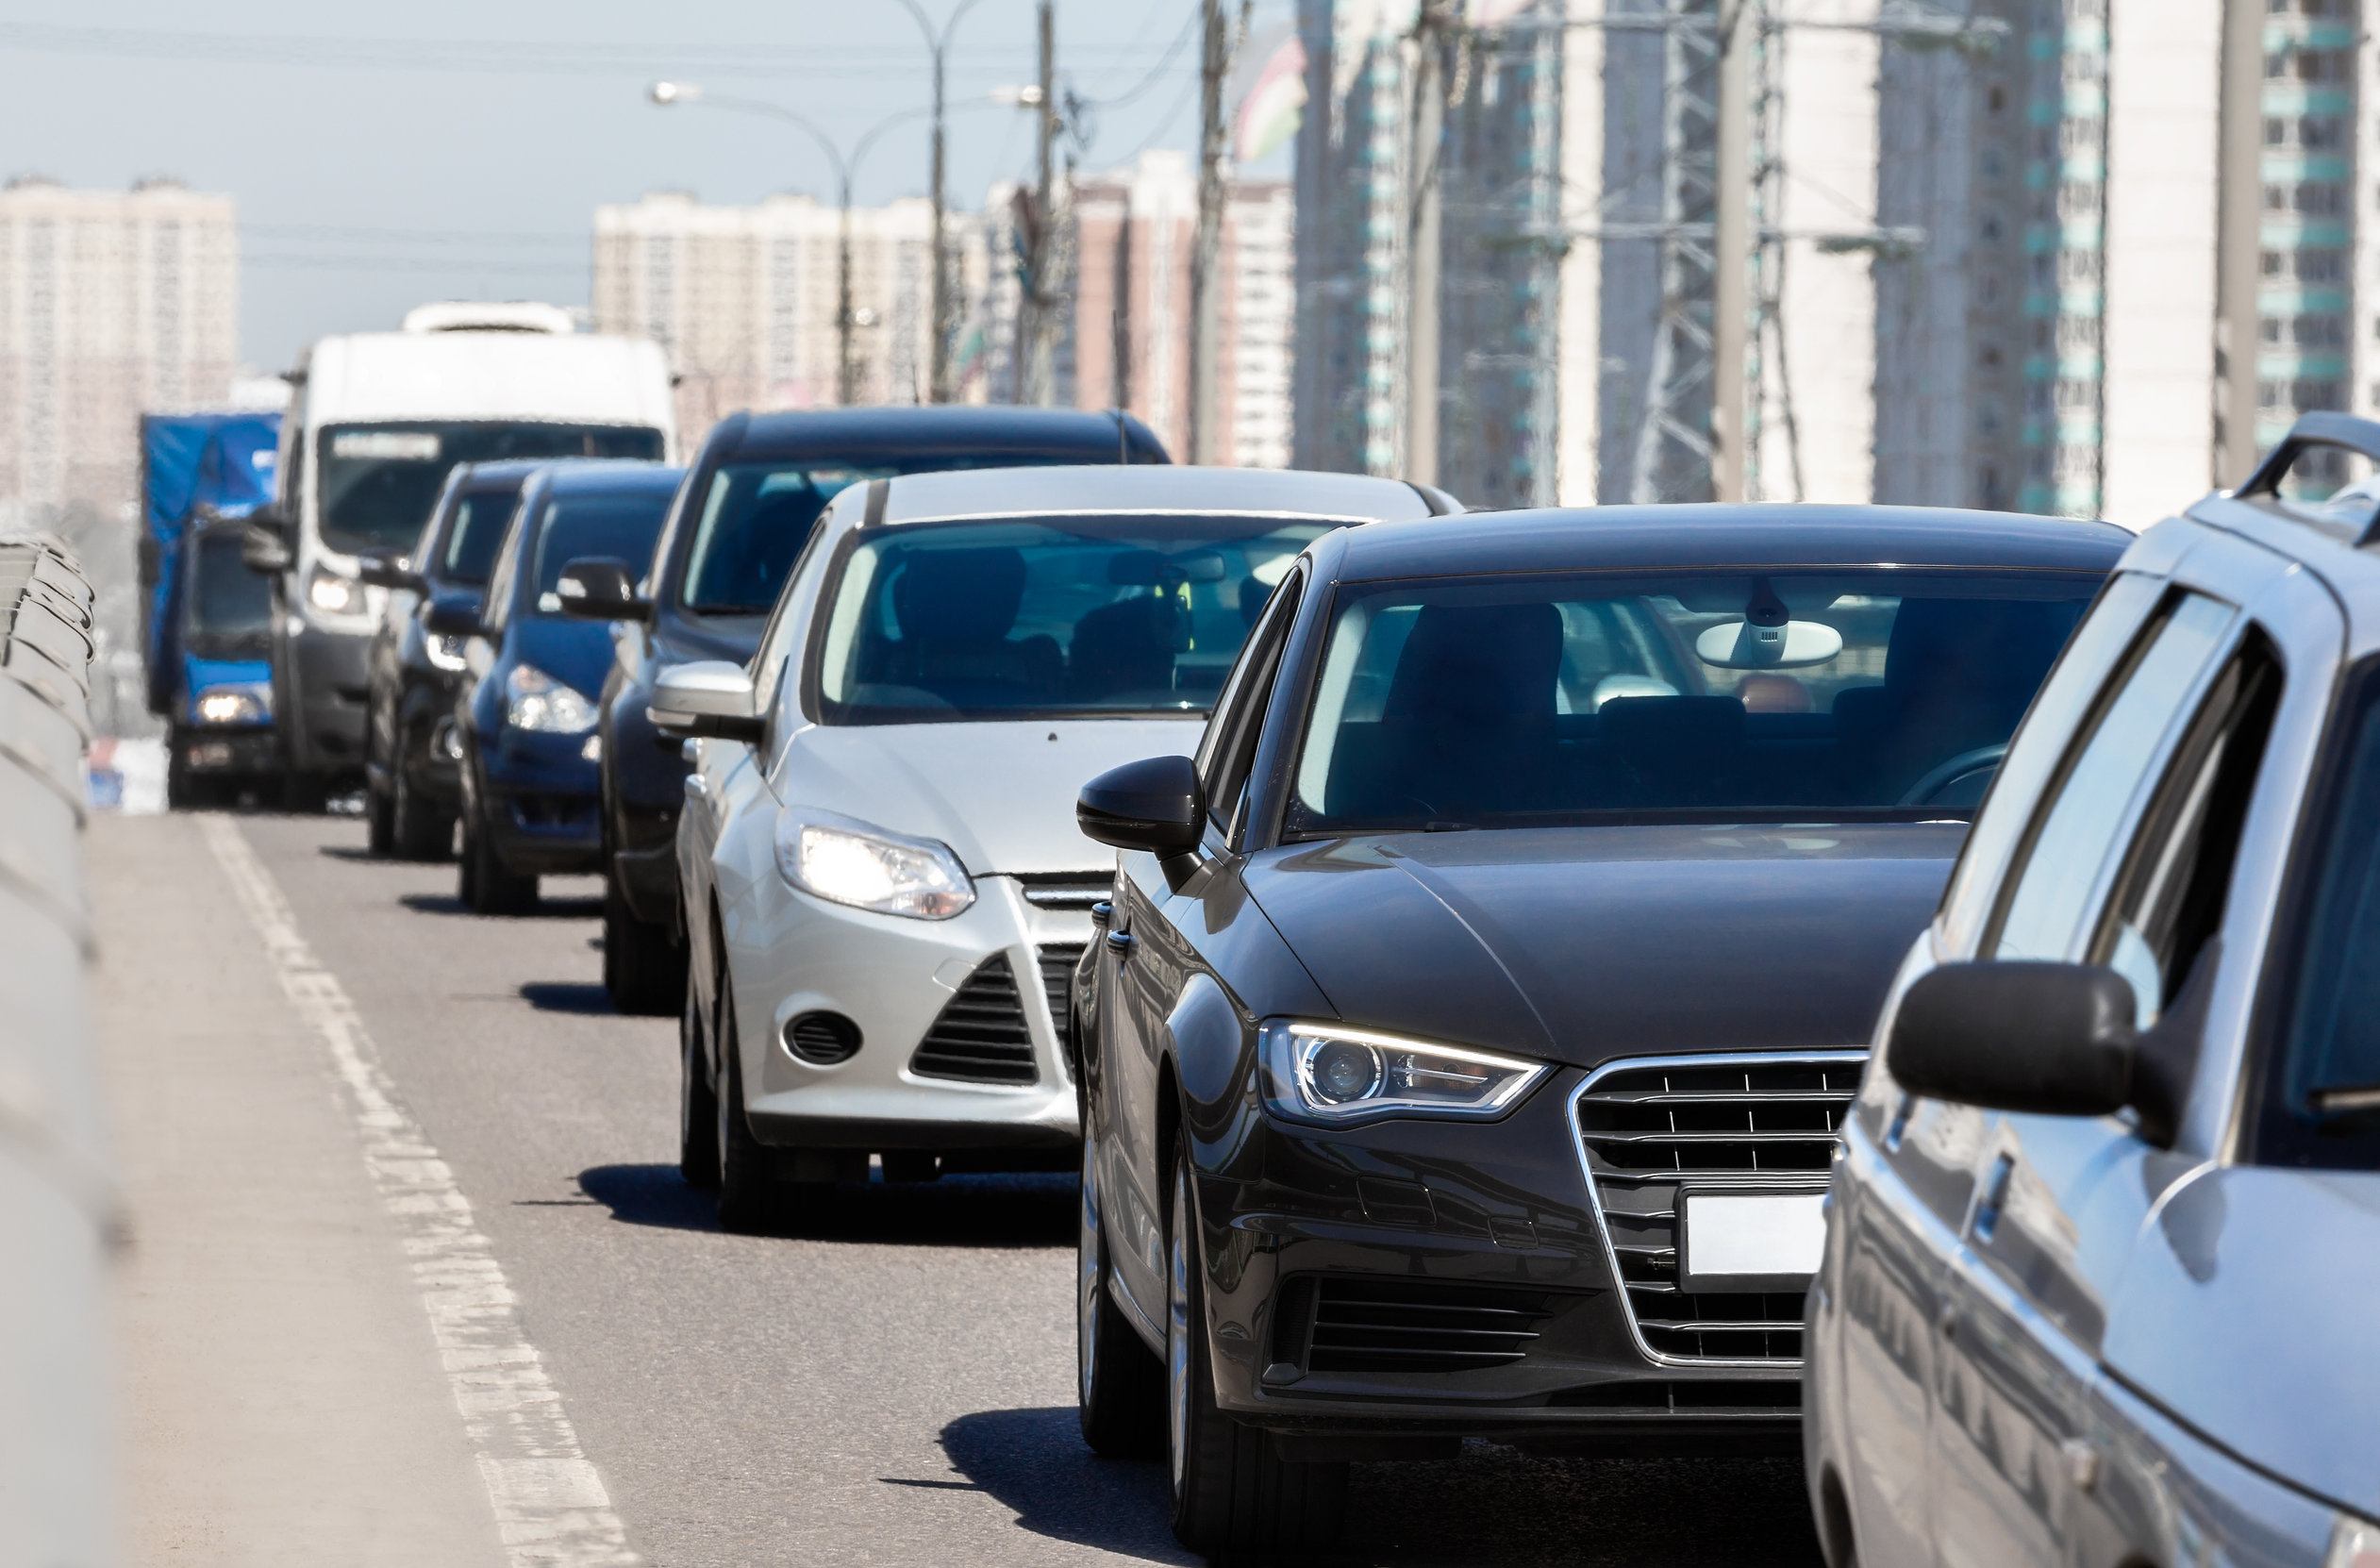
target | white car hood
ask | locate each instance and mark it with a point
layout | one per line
(1001, 795)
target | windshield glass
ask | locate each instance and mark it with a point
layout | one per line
(1067, 615)
(757, 517)
(575, 526)
(480, 517)
(227, 601)
(379, 481)
(1727, 698)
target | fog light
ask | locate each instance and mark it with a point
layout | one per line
(210, 754)
(822, 1039)
(594, 750)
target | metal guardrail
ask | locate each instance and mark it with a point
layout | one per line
(57, 1206)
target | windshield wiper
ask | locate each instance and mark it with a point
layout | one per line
(2347, 1100)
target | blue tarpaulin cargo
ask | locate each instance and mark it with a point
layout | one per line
(194, 468)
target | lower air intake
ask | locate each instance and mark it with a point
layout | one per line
(981, 1036)
(1336, 1324)
(822, 1039)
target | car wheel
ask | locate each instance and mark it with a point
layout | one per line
(1231, 1494)
(490, 886)
(697, 1102)
(417, 829)
(379, 822)
(747, 1171)
(1118, 1385)
(643, 969)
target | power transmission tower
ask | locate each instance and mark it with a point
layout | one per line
(1673, 458)
(1425, 239)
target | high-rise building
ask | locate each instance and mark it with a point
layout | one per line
(745, 299)
(111, 303)
(1132, 238)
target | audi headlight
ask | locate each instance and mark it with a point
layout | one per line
(535, 701)
(445, 653)
(224, 705)
(334, 595)
(1324, 1073)
(846, 861)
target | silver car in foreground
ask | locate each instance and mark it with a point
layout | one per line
(886, 891)
(2101, 1279)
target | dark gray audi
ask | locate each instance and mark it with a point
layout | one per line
(1478, 1008)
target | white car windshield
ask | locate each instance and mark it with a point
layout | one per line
(1058, 616)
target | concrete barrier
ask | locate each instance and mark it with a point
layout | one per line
(58, 1207)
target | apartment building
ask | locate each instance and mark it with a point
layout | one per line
(111, 303)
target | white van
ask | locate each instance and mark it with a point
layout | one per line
(375, 420)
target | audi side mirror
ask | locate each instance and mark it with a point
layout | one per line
(1154, 805)
(384, 566)
(601, 587)
(709, 697)
(454, 614)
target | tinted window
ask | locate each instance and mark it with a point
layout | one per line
(478, 529)
(2071, 838)
(379, 482)
(2320, 1097)
(575, 526)
(1487, 703)
(756, 517)
(1065, 615)
(227, 601)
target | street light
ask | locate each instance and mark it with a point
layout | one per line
(847, 363)
(938, 44)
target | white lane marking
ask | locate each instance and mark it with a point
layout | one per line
(550, 1507)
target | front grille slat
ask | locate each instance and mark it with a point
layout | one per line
(1648, 1128)
(1376, 1325)
(1058, 984)
(981, 1036)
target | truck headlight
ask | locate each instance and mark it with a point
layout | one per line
(334, 595)
(1327, 1073)
(846, 861)
(223, 704)
(535, 701)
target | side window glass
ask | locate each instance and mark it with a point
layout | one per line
(1229, 744)
(2168, 895)
(2318, 1104)
(2051, 879)
(496, 605)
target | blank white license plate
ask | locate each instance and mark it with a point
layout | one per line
(1751, 1240)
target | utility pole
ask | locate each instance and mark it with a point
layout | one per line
(937, 359)
(1206, 249)
(1040, 299)
(1731, 252)
(1424, 233)
(2239, 261)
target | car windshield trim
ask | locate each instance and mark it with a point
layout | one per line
(1679, 816)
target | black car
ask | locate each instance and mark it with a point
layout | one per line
(525, 717)
(410, 788)
(739, 521)
(1478, 1008)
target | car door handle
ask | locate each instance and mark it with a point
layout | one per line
(1119, 943)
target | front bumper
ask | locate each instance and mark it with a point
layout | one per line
(1338, 1260)
(538, 804)
(998, 970)
(225, 751)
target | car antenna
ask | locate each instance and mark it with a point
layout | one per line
(1124, 448)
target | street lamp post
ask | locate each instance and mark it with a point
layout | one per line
(846, 361)
(937, 44)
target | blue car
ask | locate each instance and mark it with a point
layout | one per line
(525, 720)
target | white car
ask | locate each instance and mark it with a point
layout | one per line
(885, 889)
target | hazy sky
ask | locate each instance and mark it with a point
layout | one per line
(384, 155)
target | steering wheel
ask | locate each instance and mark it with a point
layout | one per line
(1959, 766)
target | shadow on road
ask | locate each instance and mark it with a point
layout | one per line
(547, 909)
(963, 1211)
(1034, 1462)
(568, 996)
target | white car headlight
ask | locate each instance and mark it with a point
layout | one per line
(338, 595)
(445, 653)
(2353, 1544)
(846, 861)
(537, 701)
(224, 705)
(1325, 1072)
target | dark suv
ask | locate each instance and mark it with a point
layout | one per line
(409, 779)
(734, 531)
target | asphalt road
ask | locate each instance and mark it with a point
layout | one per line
(891, 1386)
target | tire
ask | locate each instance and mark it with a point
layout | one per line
(1119, 1386)
(697, 1101)
(1231, 1495)
(488, 886)
(418, 828)
(644, 968)
(379, 818)
(747, 1170)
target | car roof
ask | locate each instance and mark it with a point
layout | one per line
(609, 476)
(1115, 487)
(853, 435)
(505, 473)
(1670, 538)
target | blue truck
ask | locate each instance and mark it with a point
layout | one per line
(207, 628)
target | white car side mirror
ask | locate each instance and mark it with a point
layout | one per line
(711, 697)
